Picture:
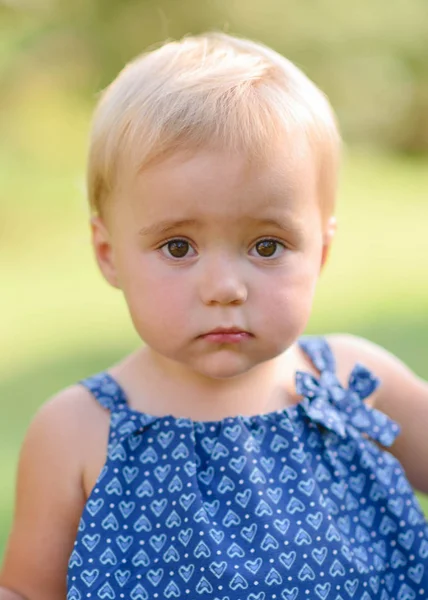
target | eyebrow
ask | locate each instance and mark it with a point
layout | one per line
(164, 226)
(288, 225)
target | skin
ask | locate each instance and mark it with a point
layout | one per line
(221, 281)
(218, 208)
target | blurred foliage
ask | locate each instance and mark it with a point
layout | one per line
(370, 57)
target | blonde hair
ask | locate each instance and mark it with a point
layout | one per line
(205, 90)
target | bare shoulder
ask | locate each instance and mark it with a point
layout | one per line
(399, 384)
(73, 402)
(395, 376)
(83, 426)
(64, 439)
(349, 349)
(72, 420)
(402, 395)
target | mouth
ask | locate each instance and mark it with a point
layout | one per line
(227, 330)
(226, 335)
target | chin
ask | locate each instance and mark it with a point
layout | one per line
(226, 366)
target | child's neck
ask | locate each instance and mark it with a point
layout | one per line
(159, 386)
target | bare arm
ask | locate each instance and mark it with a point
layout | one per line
(402, 396)
(49, 502)
(9, 595)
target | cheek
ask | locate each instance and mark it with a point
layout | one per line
(155, 302)
(285, 300)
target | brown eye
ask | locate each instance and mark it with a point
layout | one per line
(267, 248)
(177, 249)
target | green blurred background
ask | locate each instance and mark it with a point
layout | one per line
(59, 321)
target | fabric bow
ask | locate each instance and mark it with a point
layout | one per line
(327, 402)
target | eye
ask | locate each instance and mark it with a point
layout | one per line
(177, 248)
(269, 248)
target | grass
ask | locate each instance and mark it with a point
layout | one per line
(60, 321)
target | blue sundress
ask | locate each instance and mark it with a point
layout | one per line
(300, 503)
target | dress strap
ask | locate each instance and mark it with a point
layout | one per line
(319, 352)
(336, 407)
(106, 391)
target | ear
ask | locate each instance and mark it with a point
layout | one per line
(103, 249)
(327, 239)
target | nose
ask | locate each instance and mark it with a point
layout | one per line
(222, 281)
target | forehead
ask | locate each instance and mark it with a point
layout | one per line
(218, 186)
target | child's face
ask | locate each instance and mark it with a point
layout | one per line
(203, 241)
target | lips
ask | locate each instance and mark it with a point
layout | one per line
(226, 335)
(227, 330)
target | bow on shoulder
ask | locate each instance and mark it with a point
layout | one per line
(327, 402)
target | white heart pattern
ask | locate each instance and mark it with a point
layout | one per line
(289, 505)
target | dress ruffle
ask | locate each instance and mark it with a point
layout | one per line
(325, 401)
